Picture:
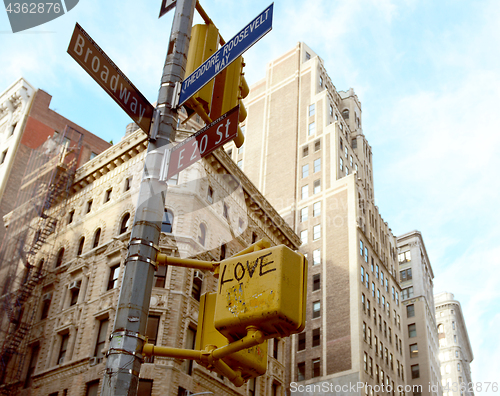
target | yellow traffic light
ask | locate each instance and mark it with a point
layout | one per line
(203, 44)
(251, 362)
(229, 90)
(266, 289)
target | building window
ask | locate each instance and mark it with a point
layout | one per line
(345, 114)
(317, 257)
(407, 293)
(240, 164)
(301, 371)
(415, 371)
(60, 256)
(114, 272)
(405, 275)
(46, 300)
(316, 337)
(378, 296)
(145, 387)
(74, 289)
(311, 110)
(303, 236)
(346, 171)
(316, 282)
(366, 254)
(363, 302)
(202, 235)
(97, 238)
(302, 341)
(316, 232)
(382, 278)
(316, 309)
(304, 214)
(373, 289)
(397, 298)
(101, 339)
(305, 192)
(167, 221)
(317, 145)
(412, 330)
(331, 110)
(305, 151)
(316, 209)
(152, 334)
(174, 180)
(317, 186)
(71, 215)
(308, 56)
(458, 366)
(3, 156)
(107, 195)
(63, 348)
(197, 282)
(225, 211)
(312, 129)
(410, 311)
(413, 350)
(128, 183)
(316, 367)
(453, 325)
(124, 223)
(189, 344)
(160, 276)
(32, 366)
(341, 164)
(305, 170)
(92, 388)
(320, 81)
(363, 275)
(89, 206)
(210, 195)
(317, 165)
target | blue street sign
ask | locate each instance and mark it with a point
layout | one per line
(247, 37)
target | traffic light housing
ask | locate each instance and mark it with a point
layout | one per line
(203, 44)
(229, 90)
(252, 362)
(266, 288)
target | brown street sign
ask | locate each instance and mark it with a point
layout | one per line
(203, 142)
(102, 69)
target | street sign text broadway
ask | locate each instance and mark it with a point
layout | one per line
(102, 69)
(247, 37)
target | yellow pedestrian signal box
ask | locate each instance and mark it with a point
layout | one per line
(252, 362)
(266, 289)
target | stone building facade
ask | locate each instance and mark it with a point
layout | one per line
(421, 338)
(212, 211)
(455, 350)
(306, 152)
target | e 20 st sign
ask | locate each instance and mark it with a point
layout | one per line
(203, 142)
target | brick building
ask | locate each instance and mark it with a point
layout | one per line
(306, 152)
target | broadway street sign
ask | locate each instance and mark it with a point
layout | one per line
(247, 37)
(102, 69)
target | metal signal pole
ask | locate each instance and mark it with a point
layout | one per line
(127, 339)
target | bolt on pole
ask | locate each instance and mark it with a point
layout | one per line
(127, 339)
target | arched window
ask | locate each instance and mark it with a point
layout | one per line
(124, 223)
(60, 257)
(80, 246)
(203, 234)
(345, 114)
(97, 237)
(167, 222)
(440, 328)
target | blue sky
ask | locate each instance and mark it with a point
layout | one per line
(427, 74)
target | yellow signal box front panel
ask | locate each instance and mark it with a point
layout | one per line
(266, 288)
(252, 362)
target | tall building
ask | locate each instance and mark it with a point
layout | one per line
(77, 248)
(306, 152)
(455, 351)
(421, 339)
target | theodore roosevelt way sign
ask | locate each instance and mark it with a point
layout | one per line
(247, 37)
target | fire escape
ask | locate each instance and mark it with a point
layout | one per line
(46, 182)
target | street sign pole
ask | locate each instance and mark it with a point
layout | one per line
(127, 339)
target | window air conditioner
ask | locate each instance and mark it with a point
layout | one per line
(47, 296)
(198, 275)
(93, 361)
(75, 285)
(61, 361)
